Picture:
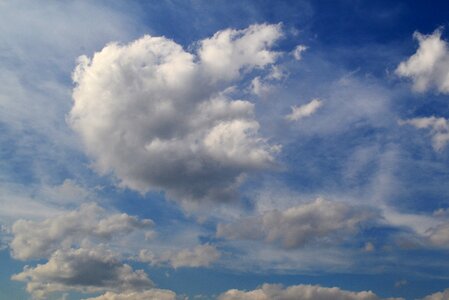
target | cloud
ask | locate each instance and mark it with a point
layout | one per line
(303, 111)
(428, 68)
(153, 115)
(225, 54)
(319, 220)
(297, 53)
(297, 292)
(82, 270)
(200, 256)
(153, 294)
(439, 129)
(444, 295)
(39, 239)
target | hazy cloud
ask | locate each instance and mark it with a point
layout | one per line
(306, 110)
(439, 129)
(200, 256)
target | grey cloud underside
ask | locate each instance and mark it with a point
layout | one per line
(83, 270)
(317, 221)
(154, 115)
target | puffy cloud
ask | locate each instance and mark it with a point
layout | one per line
(297, 53)
(200, 256)
(153, 115)
(153, 294)
(39, 239)
(229, 51)
(444, 295)
(297, 292)
(439, 129)
(320, 220)
(428, 68)
(82, 270)
(303, 111)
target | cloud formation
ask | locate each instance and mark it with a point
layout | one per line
(82, 270)
(297, 292)
(153, 294)
(439, 129)
(200, 256)
(154, 115)
(319, 220)
(428, 68)
(303, 111)
(444, 295)
(297, 53)
(40, 239)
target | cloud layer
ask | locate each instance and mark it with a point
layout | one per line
(83, 270)
(200, 256)
(40, 239)
(297, 292)
(318, 221)
(154, 115)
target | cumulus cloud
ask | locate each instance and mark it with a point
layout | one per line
(439, 129)
(297, 53)
(319, 220)
(153, 115)
(428, 68)
(303, 111)
(82, 270)
(39, 239)
(444, 295)
(298, 292)
(200, 256)
(153, 294)
(229, 51)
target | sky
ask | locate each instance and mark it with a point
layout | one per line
(224, 150)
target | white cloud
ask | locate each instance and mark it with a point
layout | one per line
(303, 111)
(428, 68)
(320, 220)
(153, 115)
(153, 294)
(82, 270)
(439, 129)
(297, 292)
(39, 239)
(200, 256)
(229, 51)
(297, 53)
(444, 295)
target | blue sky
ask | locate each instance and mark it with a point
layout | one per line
(224, 150)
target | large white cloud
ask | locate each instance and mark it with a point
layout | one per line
(297, 292)
(428, 68)
(200, 256)
(40, 239)
(83, 270)
(153, 115)
(320, 220)
(439, 129)
(153, 294)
